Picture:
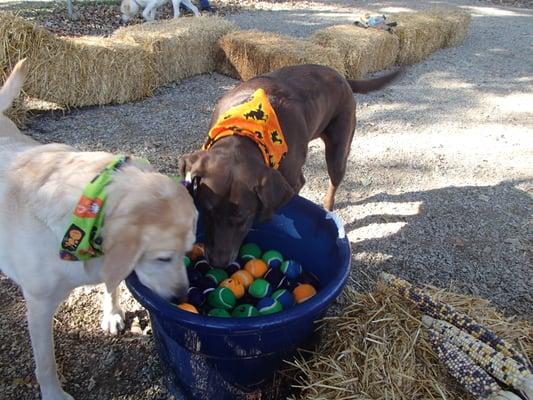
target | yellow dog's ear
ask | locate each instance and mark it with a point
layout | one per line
(273, 192)
(121, 254)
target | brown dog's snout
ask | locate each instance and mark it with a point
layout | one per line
(220, 258)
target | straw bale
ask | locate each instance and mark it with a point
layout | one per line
(252, 52)
(76, 72)
(377, 349)
(17, 113)
(457, 22)
(182, 47)
(420, 34)
(362, 50)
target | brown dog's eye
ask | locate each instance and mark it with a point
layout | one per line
(164, 259)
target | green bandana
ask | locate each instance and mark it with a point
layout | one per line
(83, 239)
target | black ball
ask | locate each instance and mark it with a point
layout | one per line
(310, 278)
(202, 265)
(195, 296)
(194, 275)
(275, 277)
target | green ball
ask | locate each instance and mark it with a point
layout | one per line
(222, 298)
(272, 258)
(245, 311)
(219, 312)
(260, 288)
(187, 261)
(249, 251)
(217, 275)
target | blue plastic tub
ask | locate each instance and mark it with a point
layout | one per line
(213, 358)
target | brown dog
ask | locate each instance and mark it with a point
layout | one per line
(235, 183)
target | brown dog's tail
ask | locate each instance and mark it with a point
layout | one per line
(370, 85)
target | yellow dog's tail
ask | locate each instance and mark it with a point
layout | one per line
(13, 85)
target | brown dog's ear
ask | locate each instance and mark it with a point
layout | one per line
(273, 192)
(193, 163)
(121, 255)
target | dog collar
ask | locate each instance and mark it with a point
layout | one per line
(83, 239)
(256, 120)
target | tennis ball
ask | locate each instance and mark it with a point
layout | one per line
(233, 267)
(275, 277)
(268, 306)
(194, 276)
(256, 267)
(310, 278)
(249, 251)
(272, 258)
(202, 265)
(222, 298)
(188, 307)
(291, 269)
(284, 297)
(195, 296)
(217, 275)
(303, 292)
(244, 311)
(219, 312)
(196, 252)
(260, 288)
(235, 286)
(206, 285)
(243, 277)
(186, 261)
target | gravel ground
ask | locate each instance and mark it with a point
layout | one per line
(438, 188)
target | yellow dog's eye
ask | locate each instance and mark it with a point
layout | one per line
(164, 259)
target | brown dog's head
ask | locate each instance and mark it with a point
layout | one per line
(231, 193)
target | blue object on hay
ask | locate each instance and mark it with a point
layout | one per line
(222, 359)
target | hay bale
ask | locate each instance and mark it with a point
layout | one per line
(420, 34)
(17, 113)
(182, 47)
(362, 50)
(456, 21)
(252, 53)
(76, 72)
(377, 349)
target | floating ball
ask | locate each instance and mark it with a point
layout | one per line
(245, 311)
(273, 258)
(186, 261)
(206, 285)
(233, 267)
(217, 275)
(202, 265)
(260, 288)
(235, 286)
(303, 292)
(194, 276)
(221, 298)
(243, 277)
(195, 296)
(256, 267)
(284, 297)
(188, 307)
(268, 306)
(275, 277)
(310, 278)
(219, 312)
(196, 252)
(249, 251)
(291, 269)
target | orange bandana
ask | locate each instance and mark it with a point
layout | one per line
(257, 120)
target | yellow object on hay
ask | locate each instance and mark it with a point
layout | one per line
(253, 53)
(362, 50)
(378, 349)
(182, 47)
(76, 72)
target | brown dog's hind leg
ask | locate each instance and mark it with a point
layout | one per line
(337, 138)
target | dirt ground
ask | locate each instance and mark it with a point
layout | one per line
(438, 188)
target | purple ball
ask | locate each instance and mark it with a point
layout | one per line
(232, 268)
(202, 265)
(194, 275)
(195, 296)
(275, 277)
(206, 284)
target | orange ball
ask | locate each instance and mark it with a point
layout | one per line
(256, 267)
(303, 292)
(188, 307)
(243, 277)
(196, 252)
(235, 286)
